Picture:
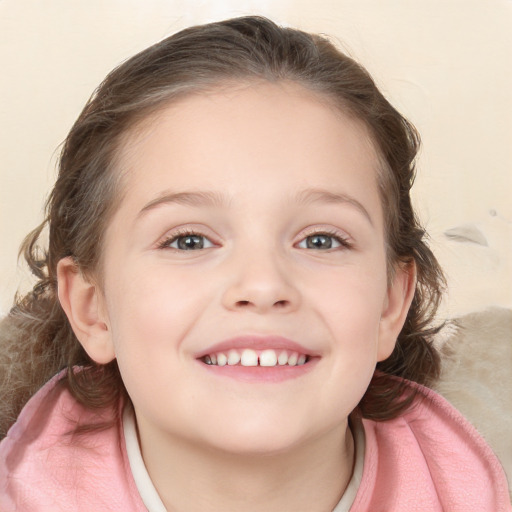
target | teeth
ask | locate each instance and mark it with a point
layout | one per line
(292, 360)
(249, 357)
(233, 357)
(283, 358)
(268, 358)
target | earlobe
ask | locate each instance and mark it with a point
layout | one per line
(398, 301)
(80, 300)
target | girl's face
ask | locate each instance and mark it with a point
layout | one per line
(250, 226)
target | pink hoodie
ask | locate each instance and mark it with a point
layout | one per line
(429, 459)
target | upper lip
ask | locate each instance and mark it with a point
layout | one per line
(256, 342)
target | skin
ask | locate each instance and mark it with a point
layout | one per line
(211, 442)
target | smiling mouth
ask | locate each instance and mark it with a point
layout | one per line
(250, 357)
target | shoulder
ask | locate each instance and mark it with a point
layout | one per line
(430, 457)
(46, 465)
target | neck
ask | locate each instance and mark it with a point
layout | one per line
(310, 477)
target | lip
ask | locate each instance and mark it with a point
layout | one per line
(259, 374)
(257, 343)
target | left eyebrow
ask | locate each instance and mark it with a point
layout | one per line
(316, 195)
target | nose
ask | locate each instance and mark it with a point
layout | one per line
(261, 283)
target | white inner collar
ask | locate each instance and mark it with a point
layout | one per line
(152, 501)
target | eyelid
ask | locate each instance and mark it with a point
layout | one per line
(175, 233)
(341, 236)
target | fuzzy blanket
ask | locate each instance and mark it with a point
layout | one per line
(477, 375)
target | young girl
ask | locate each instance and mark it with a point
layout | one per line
(235, 298)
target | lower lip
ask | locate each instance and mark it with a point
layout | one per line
(267, 374)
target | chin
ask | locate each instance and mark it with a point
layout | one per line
(267, 437)
(256, 447)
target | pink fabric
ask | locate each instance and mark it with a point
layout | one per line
(45, 469)
(429, 459)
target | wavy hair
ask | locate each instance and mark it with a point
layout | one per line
(37, 337)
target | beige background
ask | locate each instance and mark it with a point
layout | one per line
(444, 63)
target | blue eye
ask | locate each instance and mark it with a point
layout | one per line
(187, 242)
(194, 242)
(323, 242)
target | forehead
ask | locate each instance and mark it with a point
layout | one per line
(245, 136)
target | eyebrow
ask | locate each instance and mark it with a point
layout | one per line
(199, 198)
(215, 199)
(317, 195)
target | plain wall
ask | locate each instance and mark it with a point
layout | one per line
(445, 64)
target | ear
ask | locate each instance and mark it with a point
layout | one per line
(396, 306)
(81, 301)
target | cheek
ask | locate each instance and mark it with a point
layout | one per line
(151, 315)
(355, 294)
(152, 309)
(350, 303)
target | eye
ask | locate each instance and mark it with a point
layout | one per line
(187, 242)
(323, 242)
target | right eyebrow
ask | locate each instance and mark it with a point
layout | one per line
(193, 198)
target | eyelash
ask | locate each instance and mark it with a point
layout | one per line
(336, 235)
(166, 242)
(342, 240)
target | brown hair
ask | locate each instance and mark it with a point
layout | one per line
(88, 191)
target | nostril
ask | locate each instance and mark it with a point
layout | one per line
(279, 303)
